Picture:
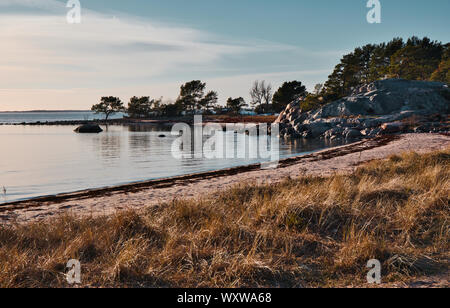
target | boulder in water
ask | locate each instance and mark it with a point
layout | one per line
(89, 129)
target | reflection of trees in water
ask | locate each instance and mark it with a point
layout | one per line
(148, 128)
(293, 146)
(143, 138)
(300, 145)
(139, 144)
(109, 147)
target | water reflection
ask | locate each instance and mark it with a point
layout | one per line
(140, 144)
(109, 146)
(148, 128)
(46, 160)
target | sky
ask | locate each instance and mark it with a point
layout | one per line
(150, 47)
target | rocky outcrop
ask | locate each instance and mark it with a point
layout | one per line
(89, 129)
(382, 107)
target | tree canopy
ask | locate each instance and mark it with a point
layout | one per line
(286, 94)
(142, 107)
(236, 104)
(415, 59)
(261, 95)
(108, 105)
(442, 73)
(192, 97)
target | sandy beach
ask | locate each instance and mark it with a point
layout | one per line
(342, 159)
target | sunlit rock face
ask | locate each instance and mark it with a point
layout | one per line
(381, 107)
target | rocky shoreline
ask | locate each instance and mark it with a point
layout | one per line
(383, 107)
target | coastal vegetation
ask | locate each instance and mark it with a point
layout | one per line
(413, 59)
(235, 105)
(192, 97)
(288, 93)
(261, 96)
(108, 106)
(142, 107)
(381, 107)
(310, 231)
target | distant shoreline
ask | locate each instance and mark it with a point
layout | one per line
(67, 123)
(161, 121)
(45, 111)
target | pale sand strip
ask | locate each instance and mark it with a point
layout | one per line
(340, 162)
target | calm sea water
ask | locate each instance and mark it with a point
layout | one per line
(31, 117)
(45, 160)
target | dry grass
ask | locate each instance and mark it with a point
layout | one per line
(307, 232)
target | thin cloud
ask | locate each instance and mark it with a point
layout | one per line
(47, 58)
(49, 6)
(110, 49)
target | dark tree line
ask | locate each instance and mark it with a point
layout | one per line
(414, 59)
(141, 107)
(235, 105)
(192, 99)
(108, 106)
